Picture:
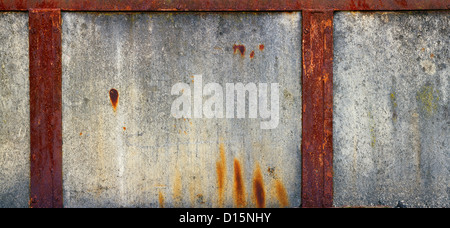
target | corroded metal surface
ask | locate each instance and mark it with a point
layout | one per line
(122, 146)
(14, 111)
(317, 174)
(45, 108)
(223, 5)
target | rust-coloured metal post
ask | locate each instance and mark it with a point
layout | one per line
(45, 108)
(317, 82)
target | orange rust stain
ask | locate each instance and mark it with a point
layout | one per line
(432, 55)
(240, 48)
(177, 189)
(282, 195)
(328, 23)
(161, 200)
(261, 47)
(124, 128)
(239, 187)
(258, 188)
(221, 174)
(325, 78)
(114, 97)
(252, 55)
(81, 133)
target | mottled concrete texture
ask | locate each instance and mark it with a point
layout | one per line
(391, 109)
(138, 155)
(14, 111)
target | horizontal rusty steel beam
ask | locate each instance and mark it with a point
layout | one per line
(223, 5)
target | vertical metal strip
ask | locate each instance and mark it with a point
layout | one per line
(45, 108)
(327, 72)
(317, 79)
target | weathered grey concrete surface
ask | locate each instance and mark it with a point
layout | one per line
(14, 111)
(139, 155)
(391, 109)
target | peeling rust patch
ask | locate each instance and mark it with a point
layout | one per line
(240, 48)
(239, 186)
(114, 97)
(221, 174)
(258, 188)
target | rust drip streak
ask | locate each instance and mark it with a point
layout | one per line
(258, 189)
(161, 200)
(45, 108)
(239, 187)
(221, 174)
(282, 195)
(317, 109)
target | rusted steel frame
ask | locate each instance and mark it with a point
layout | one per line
(317, 114)
(45, 79)
(223, 5)
(45, 108)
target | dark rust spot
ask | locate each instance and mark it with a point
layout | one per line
(261, 47)
(221, 172)
(240, 48)
(282, 195)
(114, 97)
(252, 55)
(239, 187)
(258, 189)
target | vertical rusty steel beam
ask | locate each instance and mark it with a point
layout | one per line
(317, 83)
(45, 108)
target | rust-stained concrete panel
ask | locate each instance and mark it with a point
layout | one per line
(391, 109)
(14, 111)
(123, 147)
